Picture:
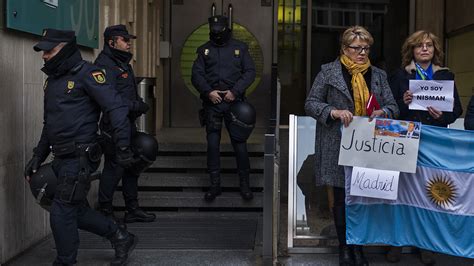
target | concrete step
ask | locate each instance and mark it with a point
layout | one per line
(166, 199)
(200, 162)
(202, 147)
(150, 179)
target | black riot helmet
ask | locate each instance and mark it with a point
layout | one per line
(43, 185)
(219, 31)
(145, 150)
(243, 118)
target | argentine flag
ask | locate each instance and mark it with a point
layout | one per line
(435, 206)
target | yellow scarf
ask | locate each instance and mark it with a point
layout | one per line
(359, 87)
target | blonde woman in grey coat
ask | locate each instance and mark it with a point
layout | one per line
(340, 91)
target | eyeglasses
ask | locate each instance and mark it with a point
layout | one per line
(424, 45)
(359, 49)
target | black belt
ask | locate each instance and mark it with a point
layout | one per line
(70, 149)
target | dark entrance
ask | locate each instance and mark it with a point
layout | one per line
(252, 23)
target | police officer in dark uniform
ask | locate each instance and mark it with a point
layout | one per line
(75, 92)
(114, 59)
(222, 72)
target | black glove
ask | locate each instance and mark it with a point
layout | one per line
(140, 107)
(124, 157)
(32, 166)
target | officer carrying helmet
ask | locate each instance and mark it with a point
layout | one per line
(222, 72)
(75, 93)
(115, 60)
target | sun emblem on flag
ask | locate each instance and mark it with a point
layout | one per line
(441, 191)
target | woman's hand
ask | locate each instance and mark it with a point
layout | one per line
(436, 114)
(377, 113)
(344, 115)
(407, 97)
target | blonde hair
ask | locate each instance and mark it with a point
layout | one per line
(417, 38)
(355, 32)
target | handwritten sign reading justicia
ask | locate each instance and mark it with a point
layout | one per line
(386, 148)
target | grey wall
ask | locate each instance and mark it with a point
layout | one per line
(22, 221)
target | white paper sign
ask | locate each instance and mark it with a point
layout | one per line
(381, 144)
(373, 183)
(435, 93)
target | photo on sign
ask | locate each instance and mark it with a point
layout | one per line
(397, 128)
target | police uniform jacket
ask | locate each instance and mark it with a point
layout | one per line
(121, 76)
(73, 100)
(399, 84)
(227, 67)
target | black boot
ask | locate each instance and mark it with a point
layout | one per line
(245, 191)
(359, 258)
(214, 189)
(346, 256)
(138, 215)
(124, 243)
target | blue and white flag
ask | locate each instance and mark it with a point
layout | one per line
(435, 206)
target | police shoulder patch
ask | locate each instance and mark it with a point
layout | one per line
(98, 76)
(70, 85)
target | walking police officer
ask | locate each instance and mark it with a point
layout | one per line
(222, 72)
(114, 59)
(74, 94)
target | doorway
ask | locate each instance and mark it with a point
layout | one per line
(252, 23)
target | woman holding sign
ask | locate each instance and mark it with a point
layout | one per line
(341, 90)
(421, 60)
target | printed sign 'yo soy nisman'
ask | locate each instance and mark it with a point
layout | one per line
(434, 93)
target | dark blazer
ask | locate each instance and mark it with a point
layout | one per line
(329, 92)
(399, 84)
(469, 120)
(415, 135)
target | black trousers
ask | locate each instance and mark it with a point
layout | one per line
(66, 216)
(111, 175)
(215, 114)
(340, 214)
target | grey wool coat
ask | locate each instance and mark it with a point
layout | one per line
(329, 92)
